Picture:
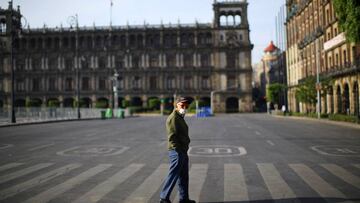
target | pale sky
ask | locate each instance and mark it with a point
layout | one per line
(261, 13)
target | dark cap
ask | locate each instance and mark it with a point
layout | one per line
(187, 100)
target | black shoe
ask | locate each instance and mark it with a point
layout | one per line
(165, 201)
(187, 201)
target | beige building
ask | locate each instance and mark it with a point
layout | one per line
(152, 61)
(314, 41)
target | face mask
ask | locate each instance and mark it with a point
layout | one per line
(182, 111)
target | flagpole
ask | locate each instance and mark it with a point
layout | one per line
(111, 5)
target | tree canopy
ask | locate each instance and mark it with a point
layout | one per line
(348, 14)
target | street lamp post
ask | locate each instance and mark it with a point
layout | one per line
(73, 20)
(115, 89)
(318, 85)
(13, 116)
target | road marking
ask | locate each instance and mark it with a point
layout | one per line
(95, 194)
(216, 151)
(196, 181)
(277, 186)
(314, 181)
(9, 192)
(357, 165)
(93, 150)
(337, 150)
(162, 143)
(53, 192)
(23, 172)
(5, 146)
(197, 178)
(144, 192)
(270, 142)
(41, 147)
(234, 184)
(10, 165)
(343, 174)
(257, 133)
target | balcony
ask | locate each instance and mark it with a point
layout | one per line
(311, 37)
(343, 70)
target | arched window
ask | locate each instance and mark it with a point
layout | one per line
(237, 20)
(223, 21)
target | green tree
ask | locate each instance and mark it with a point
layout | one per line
(125, 103)
(348, 14)
(101, 104)
(306, 92)
(33, 103)
(154, 103)
(273, 92)
(53, 103)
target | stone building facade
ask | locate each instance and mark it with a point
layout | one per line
(152, 61)
(314, 41)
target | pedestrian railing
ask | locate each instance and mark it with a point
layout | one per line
(40, 114)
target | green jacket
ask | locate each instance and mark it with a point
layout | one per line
(177, 132)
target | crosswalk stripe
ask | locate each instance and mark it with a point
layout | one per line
(197, 177)
(95, 194)
(144, 192)
(10, 165)
(343, 174)
(53, 192)
(276, 185)
(41, 147)
(23, 172)
(11, 191)
(234, 183)
(318, 184)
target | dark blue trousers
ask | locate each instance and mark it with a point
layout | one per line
(178, 173)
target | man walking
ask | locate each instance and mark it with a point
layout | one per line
(178, 145)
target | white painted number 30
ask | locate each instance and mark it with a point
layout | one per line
(216, 151)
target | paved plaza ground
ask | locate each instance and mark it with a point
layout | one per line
(234, 158)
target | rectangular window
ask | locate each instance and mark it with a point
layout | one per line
(102, 84)
(231, 82)
(154, 60)
(171, 60)
(53, 63)
(52, 84)
(85, 83)
(69, 84)
(205, 60)
(188, 60)
(153, 83)
(20, 85)
(188, 83)
(69, 64)
(121, 84)
(205, 83)
(36, 84)
(170, 83)
(136, 83)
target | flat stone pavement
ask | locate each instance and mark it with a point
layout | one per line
(234, 158)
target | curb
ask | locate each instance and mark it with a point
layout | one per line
(339, 123)
(56, 121)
